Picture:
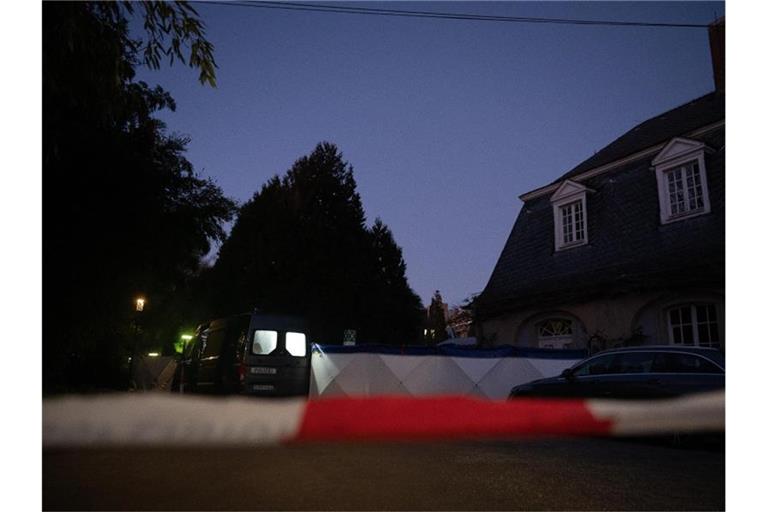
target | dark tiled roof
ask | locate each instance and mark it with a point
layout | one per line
(674, 123)
(628, 250)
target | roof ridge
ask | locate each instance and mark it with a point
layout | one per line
(636, 128)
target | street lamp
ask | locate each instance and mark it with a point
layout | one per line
(140, 302)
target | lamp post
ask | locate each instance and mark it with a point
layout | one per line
(185, 339)
(139, 302)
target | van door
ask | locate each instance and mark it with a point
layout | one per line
(210, 352)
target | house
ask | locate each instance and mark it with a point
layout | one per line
(626, 248)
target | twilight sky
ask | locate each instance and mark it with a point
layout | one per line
(445, 122)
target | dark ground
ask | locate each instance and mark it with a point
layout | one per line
(553, 474)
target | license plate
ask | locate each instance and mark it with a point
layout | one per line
(263, 370)
(263, 387)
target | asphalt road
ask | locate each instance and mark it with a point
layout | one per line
(554, 474)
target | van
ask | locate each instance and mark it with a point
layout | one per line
(253, 354)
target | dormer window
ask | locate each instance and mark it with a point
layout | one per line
(569, 204)
(682, 180)
(572, 222)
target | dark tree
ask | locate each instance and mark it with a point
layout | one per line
(123, 211)
(300, 245)
(390, 296)
(436, 321)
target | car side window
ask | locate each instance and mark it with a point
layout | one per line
(632, 362)
(671, 362)
(598, 366)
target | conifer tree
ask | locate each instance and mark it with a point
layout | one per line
(301, 246)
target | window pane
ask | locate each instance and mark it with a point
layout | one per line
(555, 327)
(633, 362)
(567, 224)
(597, 366)
(704, 334)
(688, 335)
(296, 343)
(706, 318)
(264, 342)
(682, 326)
(682, 185)
(579, 223)
(572, 217)
(714, 335)
(670, 362)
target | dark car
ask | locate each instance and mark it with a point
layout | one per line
(253, 353)
(635, 372)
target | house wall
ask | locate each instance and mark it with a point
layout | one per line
(607, 322)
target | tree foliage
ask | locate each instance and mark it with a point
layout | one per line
(124, 211)
(436, 320)
(301, 245)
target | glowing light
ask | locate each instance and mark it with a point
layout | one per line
(140, 303)
(296, 344)
(186, 337)
(264, 342)
(153, 354)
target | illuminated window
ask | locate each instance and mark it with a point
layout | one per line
(264, 342)
(296, 344)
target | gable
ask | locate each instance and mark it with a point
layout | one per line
(568, 189)
(676, 148)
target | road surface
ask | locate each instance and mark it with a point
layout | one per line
(553, 474)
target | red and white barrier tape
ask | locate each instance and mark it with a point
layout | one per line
(159, 419)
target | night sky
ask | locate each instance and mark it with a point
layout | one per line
(445, 122)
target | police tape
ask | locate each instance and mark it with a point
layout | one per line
(164, 419)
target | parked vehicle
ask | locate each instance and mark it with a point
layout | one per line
(254, 353)
(635, 372)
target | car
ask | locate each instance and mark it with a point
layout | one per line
(662, 371)
(252, 353)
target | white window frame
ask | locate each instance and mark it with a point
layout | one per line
(693, 307)
(677, 154)
(566, 195)
(560, 341)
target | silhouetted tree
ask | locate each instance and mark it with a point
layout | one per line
(124, 212)
(436, 321)
(394, 311)
(300, 245)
